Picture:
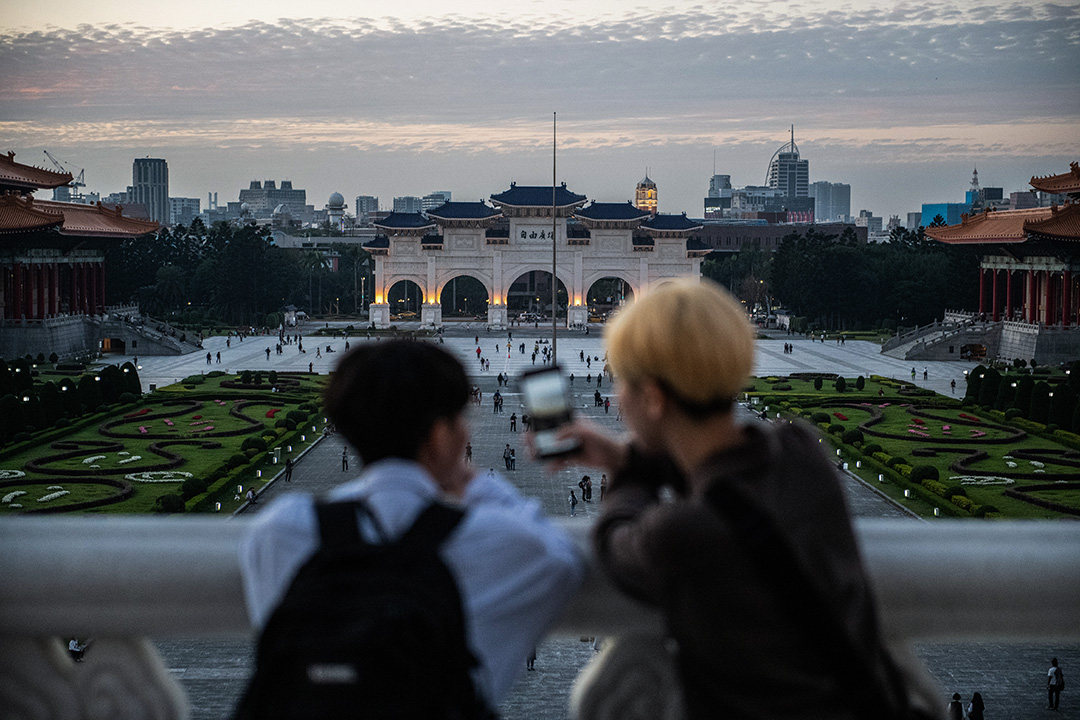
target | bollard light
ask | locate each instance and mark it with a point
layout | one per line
(303, 438)
(290, 448)
(880, 478)
(837, 452)
(239, 489)
(258, 473)
(907, 493)
(937, 512)
(217, 507)
(858, 463)
(312, 428)
(275, 461)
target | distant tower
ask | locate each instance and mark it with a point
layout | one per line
(645, 195)
(975, 181)
(150, 186)
(335, 211)
(788, 173)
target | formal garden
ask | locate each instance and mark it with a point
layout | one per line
(196, 446)
(995, 450)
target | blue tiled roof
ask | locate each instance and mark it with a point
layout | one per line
(612, 211)
(403, 221)
(670, 222)
(537, 196)
(463, 211)
(696, 244)
(380, 241)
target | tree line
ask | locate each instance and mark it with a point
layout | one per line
(834, 282)
(229, 274)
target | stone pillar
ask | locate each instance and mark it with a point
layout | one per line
(379, 315)
(497, 315)
(994, 311)
(1048, 299)
(431, 315)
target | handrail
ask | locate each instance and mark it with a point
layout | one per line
(146, 576)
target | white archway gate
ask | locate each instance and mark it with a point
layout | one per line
(496, 245)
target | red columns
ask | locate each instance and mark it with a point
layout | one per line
(39, 281)
(1048, 299)
(54, 289)
(1066, 298)
(1031, 283)
(994, 313)
(1008, 295)
(91, 283)
(982, 291)
(16, 292)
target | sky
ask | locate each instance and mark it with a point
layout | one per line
(901, 100)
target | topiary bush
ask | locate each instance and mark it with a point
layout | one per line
(924, 472)
(253, 443)
(236, 461)
(127, 398)
(245, 377)
(953, 491)
(818, 383)
(896, 460)
(840, 384)
(860, 383)
(852, 436)
(984, 510)
(821, 417)
(871, 448)
(62, 423)
(836, 429)
(192, 487)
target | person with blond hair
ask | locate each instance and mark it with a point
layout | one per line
(750, 551)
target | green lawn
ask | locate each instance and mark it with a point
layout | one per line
(142, 451)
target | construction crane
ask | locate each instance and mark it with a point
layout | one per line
(78, 182)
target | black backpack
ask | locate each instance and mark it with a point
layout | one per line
(368, 630)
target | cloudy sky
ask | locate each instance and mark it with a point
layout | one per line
(900, 99)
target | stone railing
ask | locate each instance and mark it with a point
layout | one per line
(123, 579)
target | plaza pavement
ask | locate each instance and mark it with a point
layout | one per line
(213, 671)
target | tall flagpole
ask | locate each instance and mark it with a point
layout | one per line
(554, 246)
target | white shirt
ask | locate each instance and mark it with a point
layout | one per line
(515, 569)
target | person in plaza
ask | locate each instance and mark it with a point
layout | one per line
(573, 503)
(976, 710)
(251, 496)
(955, 710)
(208, 356)
(603, 485)
(344, 458)
(1055, 683)
(288, 469)
(402, 406)
(513, 459)
(468, 453)
(506, 456)
(739, 533)
(513, 422)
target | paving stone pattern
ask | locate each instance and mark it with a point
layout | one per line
(214, 671)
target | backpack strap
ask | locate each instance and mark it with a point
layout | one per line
(338, 526)
(432, 526)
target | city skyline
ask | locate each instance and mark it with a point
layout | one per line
(899, 100)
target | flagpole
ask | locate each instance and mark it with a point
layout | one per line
(554, 246)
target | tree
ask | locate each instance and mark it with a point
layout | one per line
(988, 391)
(1040, 403)
(1022, 400)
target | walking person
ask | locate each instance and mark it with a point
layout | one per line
(344, 458)
(1055, 683)
(468, 453)
(603, 485)
(955, 710)
(513, 459)
(506, 456)
(975, 708)
(288, 469)
(573, 503)
(513, 422)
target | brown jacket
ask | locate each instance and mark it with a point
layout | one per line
(741, 653)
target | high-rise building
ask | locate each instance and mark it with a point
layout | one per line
(150, 187)
(788, 173)
(263, 198)
(645, 197)
(434, 200)
(183, 210)
(408, 204)
(365, 205)
(718, 183)
(832, 201)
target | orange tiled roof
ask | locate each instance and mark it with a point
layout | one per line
(21, 214)
(97, 220)
(28, 177)
(1063, 224)
(1066, 183)
(992, 226)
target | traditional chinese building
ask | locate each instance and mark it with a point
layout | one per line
(515, 237)
(52, 262)
(1029, 286)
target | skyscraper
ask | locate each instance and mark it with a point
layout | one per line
(434, 200)
(365, 205)
(832, 201)
(408, 204)
(787, 172)
(150, 186)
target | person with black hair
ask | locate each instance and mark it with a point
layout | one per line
(975, 709)
(402, 407)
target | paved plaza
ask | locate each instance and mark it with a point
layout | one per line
(213, 671)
